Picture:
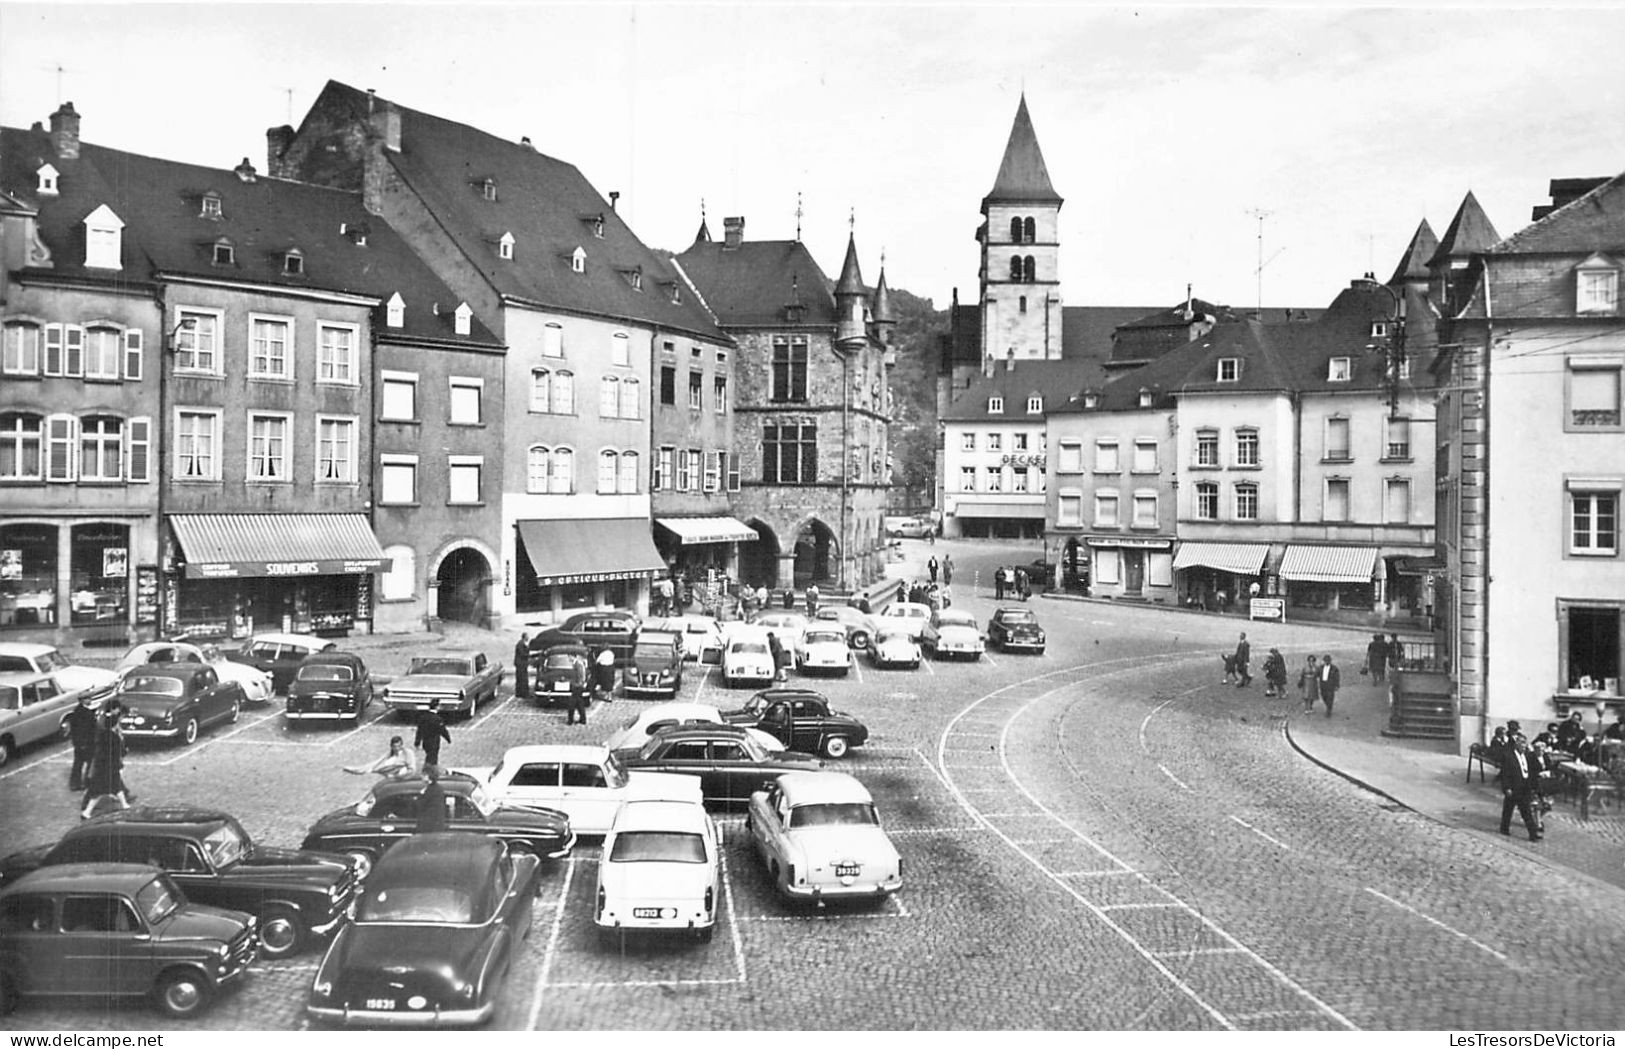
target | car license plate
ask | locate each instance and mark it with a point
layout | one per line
(380, 1003)
(646, 912)
(561, 686)
(848, 870)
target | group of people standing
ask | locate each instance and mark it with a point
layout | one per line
(1012, 581)
(1381, 656)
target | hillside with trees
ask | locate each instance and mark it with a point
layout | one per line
(914, 405)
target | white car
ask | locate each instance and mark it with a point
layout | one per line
(702, 636)
(952, 632)
(787, 625)
(819, 835)
(256, 683)
(908, 615)
(34, 708)
(823, 648)
(27, 658)
(636, 730)
(585, 783)
(894, 646)
(659, 870)
(747, 659)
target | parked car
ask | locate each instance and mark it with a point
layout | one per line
(117, 930)
(656, 666)
(660, 870)
(1040, 574)
(731, 766)
(33, 707)
(819, 836)
(952, 632)
(294, 894)
(823, 648)
(175, 700)
(1013, 629)
(801, 719)
(28, 658)
(257, 685)
(459, 680)
(614, 628)
(585, 783)
(907, 528)
(561, 669)
(435, 934)
(389, 814)
(859, 625)
(278, 655)
(702, 636)
(637, 729)
(895, 647)
(909, 615)
(787, 625)
(330, 686)
(747, 658)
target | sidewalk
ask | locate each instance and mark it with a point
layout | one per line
(1429, 777)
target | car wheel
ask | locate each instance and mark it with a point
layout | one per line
(835, 747)
(281, 932)
(236, 712)
(189, 732)
(362, 861)
(181, 993)
(860, 640)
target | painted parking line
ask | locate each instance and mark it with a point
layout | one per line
(342, 736)
(1261, 834)
(490, 713)
(1177, 781)
(1491, 951)
(551, 951)
(204, 744)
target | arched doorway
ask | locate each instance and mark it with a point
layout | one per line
(817, 553)
(464, 582)
(759, 559)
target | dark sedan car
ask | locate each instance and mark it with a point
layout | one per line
(613, 628)
(802, 720)
(561, 668)
(330, 686)
(731, 765)
(211, 857)
(435, 933)
(1015, 629)
(279, 654)
(389, 814)
(173, 701)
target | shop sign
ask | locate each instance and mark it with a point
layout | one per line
(11, 564)
(1024, 459)
(1130, 543)
(1267, 608)
(146, 594)
(206, 628)
(172, 604)
(254, 569)
(591, 577)
(363, 598)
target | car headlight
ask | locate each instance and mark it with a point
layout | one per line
(224, 951)
(322, 986)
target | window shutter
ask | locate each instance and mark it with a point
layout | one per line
(60, 439)
(137, 448)
(132, 354)
(732, 463)
(75, 357)
(53, 349)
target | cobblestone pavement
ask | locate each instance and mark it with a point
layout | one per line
(1101, 837)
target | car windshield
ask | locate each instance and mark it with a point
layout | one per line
(653, 651)
(564, 660)
(326, 672)
(753, 647)
(225, 846)
(908, 611)
(900, 636)
(157, 900)
(833, 814)
(152, 684)
(1018, 616)
(435, 904)
(51, 660)
(825, 637)
(448, 667)
(614, 772)
(482, 801)
(956, 619)
(657, 846)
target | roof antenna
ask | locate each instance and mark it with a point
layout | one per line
(798, 216)
(289, 90)
(852, 221)
(1260, 214)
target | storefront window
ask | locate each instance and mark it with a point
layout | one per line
(27, 575)
(100, 573)
(577, 595)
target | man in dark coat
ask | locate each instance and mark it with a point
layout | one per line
(931, 567)
(432, 804)
(1330, 681)
(521, 667)
(998, 583)
(780, 658)
(947, 570)
(106, 778)
(1244, 655)
(83, 724)
(431, 733)
(1518, 779)
(1376, 659)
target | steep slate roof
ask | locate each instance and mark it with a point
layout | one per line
(1086, 331)
(1470, 231)
(1051, 380)
(750, 285)
(1023, 176)
(1344, 330)
(1413, 265)
(548, 206)
(851, 282)
(1592, 222)
(1175, 315)
(1193, 367)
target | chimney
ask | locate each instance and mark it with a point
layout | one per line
(65, 132)
(1010, 359)
(614, 198)
(277, 141)
(733, 231)
(525, 141)
(244, 171)
(386, 123)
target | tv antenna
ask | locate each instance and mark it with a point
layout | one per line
(1260, 214)
(58, 68)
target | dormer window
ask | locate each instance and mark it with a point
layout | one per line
(1035, 405)
(995, 405)
(505, 246)
(355, 233)
(1596, 285)
(1145, 398)
(1229, 369)
(578, 260)
(488, 189)
(104, 239)
(598, 227)
(675, 291)
(47, 176)
(1379, 329)
(1091, 399)
(395, 311)
(1338, 370)
(211, 206)
(461, 319)
(293, 263)
(636, 277)
(224, 253)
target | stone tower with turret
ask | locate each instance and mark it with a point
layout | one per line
(1021, 246)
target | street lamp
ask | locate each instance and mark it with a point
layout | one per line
(1394, 351)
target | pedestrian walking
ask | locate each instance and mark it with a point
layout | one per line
(781, 658)
(998, 583)
(104, 786)
(947, 570)
(1376, 659)
(575, 704)
(1309, 684)
(931, 568)
(521, 667)
(1244, 654)
(431, 733)
(604, 667)
(812, 600)
(1275, 674)
(397, 762)
(1396, 652)
(431, 805)
(1518, 779)
(1330, 681)
(83, 723)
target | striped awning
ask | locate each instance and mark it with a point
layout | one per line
(1240, 558)
(229, 546)
(1330, 564)
(590, 550)
(692, 531)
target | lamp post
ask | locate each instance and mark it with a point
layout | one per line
(1394, 350)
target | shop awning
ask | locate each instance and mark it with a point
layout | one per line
(1029, 510)
(231, 546)
(1416, 566)
(590, 550)
(1330, 564)
(695, 530)
(1240, 558)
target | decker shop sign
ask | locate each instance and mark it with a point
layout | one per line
(259, 569)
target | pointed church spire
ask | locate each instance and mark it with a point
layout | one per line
(1023, 175)
(1470, 231)
(880, 310)
(1413, 265)
(703, 236)
(851, 282)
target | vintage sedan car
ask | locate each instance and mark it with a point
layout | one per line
(748, 658)
(278, 655)
(820, 838)
(389, 814)
(801, 719)
(859, 625)
(330, 686)
(257, 685)
(895, 647)
(907, 528)
(117, 930)
(614, 628)
(585, 783)
(822, 649)
(34, 707)
(731, 765)
(660, 870)
(656, 667)
(787, 625)
(561, 668)
(459, 680)
(1015, 630)
(435, 933)
(294, 894)
(952, 632)
(907, 615)
(636, 730)
(174, 701)
(27, 658)
(702, 636)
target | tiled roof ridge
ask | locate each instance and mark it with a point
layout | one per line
(1545, 222)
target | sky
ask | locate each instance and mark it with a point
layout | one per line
(1190, 142)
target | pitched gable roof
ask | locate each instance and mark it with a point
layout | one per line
(1023, 175)
(1469, 232)
(1050, 380)
(1592, 222)
(1413, 265)
(752, 284)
